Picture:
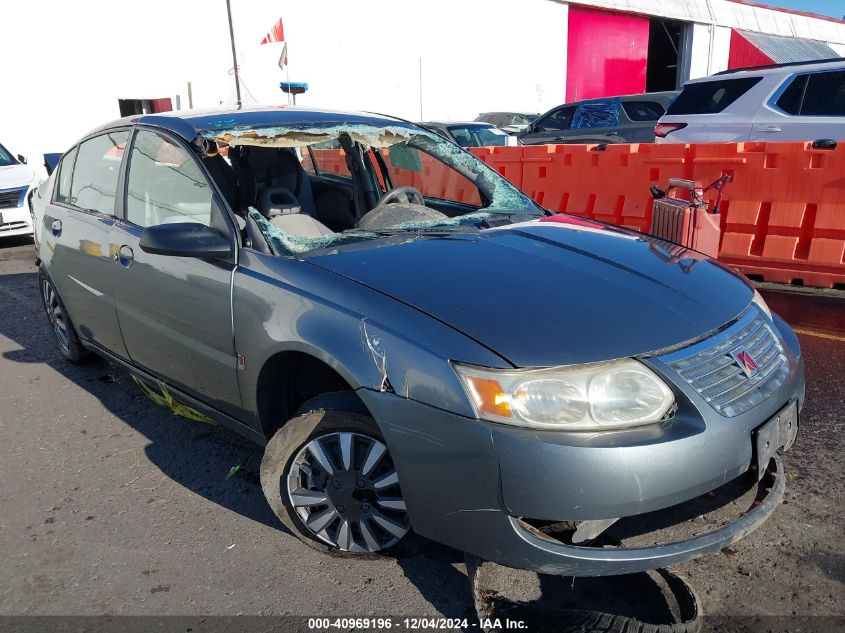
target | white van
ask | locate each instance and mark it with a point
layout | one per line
(803, 101)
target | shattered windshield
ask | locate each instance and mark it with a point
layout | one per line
(320, 185)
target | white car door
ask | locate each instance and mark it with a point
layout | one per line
(807, 107)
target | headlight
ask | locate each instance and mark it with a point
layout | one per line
(761, 303)
(594, 397)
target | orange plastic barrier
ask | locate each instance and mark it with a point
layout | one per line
(783, 214)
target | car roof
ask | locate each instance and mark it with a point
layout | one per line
(192, 123)
(774, 69)
(452, 123)
(665, 96)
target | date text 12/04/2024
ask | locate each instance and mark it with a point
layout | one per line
(414, 624)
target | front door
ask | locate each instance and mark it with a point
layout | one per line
(174, 312)
(550, 128)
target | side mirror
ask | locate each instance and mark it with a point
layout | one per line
(184, 239)
(51, 161)
(22, 158)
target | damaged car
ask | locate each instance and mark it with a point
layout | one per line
(417, 344)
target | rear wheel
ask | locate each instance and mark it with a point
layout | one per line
(62, 327)
(329, 477)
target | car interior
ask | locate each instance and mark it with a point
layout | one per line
(314, 203)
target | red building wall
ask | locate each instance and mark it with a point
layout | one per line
(744, 54)
(606, 53)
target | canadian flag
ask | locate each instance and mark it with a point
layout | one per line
(277, 35)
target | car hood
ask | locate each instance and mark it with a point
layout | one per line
(555, 292)
(15, 176)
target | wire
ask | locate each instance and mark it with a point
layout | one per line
(248, 91)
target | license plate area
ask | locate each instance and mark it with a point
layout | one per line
(778, 433)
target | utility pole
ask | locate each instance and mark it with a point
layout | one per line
(234, 55)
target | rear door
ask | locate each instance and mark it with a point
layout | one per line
(595, 122)
(175, 312)
(550, 128)
(74, 235)
(642, 115)
(806, 107)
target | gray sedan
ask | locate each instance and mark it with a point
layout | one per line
(416, 343)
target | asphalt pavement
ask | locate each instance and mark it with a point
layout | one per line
(111, 505)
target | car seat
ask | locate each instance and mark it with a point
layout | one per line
(280, 167)
(282, 208)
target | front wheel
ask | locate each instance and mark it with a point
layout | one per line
(330, 479)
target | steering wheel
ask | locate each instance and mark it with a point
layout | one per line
(412, 195)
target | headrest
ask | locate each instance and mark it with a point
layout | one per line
(275, 201)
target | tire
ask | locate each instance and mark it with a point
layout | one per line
(63, 331)
(333, 464)
(681, 604)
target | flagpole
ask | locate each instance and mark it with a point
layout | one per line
(234, 56)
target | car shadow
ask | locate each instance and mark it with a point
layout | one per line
(15, 240)
(199, 456)
(196, 455)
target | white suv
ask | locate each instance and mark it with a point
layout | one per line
(803, 101)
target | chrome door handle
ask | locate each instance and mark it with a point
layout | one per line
(125, 256)
(769, 128)
(56, 228)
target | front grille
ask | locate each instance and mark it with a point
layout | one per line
(718, 378)
(12, 197)
(12, 226)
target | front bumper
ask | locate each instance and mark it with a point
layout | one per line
(15, 221)
(468, 484)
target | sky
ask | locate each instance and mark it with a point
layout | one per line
(832, 8)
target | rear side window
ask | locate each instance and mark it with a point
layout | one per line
(643, 110)
(94, 182)
(790, 100)
(596, 114)
(711, 97)
(328, 159)
(825, 95)
(815, 94)
(165, 184)
(66, 176)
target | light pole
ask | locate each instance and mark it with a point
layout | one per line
(234, 56)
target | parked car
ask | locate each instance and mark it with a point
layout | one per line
(469, 134)
(789, 102)
(510, 122)
(17, 181)
(628, 119)
(506, 381)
